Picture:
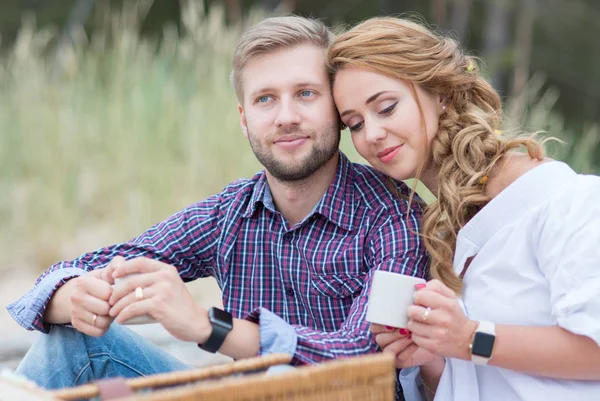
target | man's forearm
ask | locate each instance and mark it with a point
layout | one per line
(59, 307)
(243, 341)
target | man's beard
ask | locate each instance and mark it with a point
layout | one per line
(283, 170)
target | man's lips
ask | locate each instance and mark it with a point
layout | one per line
(289, 138)
(290, 142)
(388, 154)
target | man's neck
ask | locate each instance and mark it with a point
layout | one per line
(296, 199)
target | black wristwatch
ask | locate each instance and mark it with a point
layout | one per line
(482, 346)
(222, 323)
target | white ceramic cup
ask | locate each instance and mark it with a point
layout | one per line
(143, 319)
(391, 295)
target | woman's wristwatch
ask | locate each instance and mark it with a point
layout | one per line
(482, 345)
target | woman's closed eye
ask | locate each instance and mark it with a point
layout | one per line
(354, 126)
(388, 109)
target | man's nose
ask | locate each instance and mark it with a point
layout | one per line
(287, 114)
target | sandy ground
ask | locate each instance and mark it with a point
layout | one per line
(15, 341)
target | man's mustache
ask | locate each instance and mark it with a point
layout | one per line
(288, 130)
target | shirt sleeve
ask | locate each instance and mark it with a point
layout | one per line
(186, 240)
(569, 256)
(392, 247)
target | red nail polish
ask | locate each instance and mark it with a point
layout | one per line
(420, 286)
(409, 336)
(389, 327)
(403, 332)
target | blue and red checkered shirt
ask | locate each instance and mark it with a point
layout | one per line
(306, 285)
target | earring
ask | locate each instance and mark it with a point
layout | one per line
(444, 107)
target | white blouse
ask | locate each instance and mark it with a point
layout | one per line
(537, 263)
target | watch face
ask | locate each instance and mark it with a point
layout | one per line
(483, 344)
(220, 317)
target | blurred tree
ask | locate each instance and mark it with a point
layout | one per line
(460, 18)
(438, 12)
(524, 37)
(557, 38)
(496, 39)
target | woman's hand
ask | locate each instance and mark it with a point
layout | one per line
(438, 323)
(399, 343)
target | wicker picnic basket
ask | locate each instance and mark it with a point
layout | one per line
(366, 378)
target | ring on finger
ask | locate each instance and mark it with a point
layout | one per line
(139, 293)
(94, 318)
(426, 314)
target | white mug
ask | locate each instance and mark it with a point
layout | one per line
(143, 319)
(391, 295)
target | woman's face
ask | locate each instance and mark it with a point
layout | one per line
(383, 118)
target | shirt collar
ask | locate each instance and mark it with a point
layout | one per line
(258, 195)
(336, 205)
(530, 190)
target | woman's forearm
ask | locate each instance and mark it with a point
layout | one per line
(430, 376)
(546, 351)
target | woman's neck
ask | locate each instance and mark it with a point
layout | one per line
(509, 168)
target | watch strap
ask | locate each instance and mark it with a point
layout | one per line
(217, 336)
(488, 328)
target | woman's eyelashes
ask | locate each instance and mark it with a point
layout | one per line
(356, 126)
(388, 109)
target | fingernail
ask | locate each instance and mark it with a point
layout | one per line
(389, 327)
(403, 332)
(420, 286)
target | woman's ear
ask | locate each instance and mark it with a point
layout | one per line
(443, 104)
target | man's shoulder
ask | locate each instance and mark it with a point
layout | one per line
(378, 190)
(242, 186)
(234, 195)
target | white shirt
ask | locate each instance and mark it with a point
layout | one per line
(537, 263)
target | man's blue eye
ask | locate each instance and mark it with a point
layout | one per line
(306, 93)
(263, 99)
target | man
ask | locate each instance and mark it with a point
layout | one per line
(293, 248)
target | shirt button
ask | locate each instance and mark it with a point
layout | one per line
(289, 291)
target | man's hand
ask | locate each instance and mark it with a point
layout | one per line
(398, 342)
(165, 298)
(89, 300)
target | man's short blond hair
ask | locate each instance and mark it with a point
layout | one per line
(273, 34)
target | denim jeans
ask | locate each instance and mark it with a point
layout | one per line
(66, 358)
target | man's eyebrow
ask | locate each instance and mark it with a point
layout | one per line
(259, 91)
(307, 83)
(369, 100)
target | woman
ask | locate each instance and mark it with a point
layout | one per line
(513, 310)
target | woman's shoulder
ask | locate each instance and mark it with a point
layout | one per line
(511, 168)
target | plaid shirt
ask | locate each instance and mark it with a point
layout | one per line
(306, 285)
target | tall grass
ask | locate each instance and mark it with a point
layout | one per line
(131, 131)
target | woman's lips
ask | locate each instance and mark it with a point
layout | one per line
(388, 154)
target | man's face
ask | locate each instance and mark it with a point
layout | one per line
(287, 112)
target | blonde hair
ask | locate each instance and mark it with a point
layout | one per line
(273, 34)
(466, 147)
